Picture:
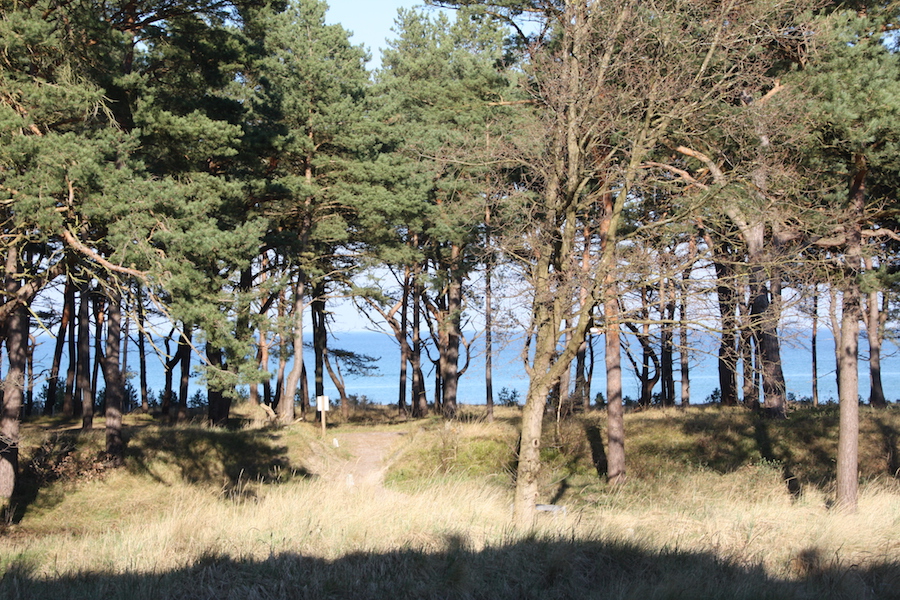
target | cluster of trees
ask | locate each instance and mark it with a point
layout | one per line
(232, 165)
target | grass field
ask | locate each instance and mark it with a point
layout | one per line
(719, 503)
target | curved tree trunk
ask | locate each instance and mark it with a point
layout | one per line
(17, 325)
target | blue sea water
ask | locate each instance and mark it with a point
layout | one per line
(509, 371)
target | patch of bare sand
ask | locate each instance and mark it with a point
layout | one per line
(371, 455)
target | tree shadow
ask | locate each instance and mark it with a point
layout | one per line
(763, 439)
(598, 454)
(891, 446)
(526, 569)
(218, 456)
(211, 455)
(726, 441)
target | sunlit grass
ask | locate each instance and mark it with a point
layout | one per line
(718, 504)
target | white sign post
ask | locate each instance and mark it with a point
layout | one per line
(322, 406)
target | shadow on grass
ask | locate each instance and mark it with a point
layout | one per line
(804, 445)
(210, 455)
(532, 568)
(598, 454)
(197, 455)
(891, 446)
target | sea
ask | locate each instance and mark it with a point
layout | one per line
(381, 385)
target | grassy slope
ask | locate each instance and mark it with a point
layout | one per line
(719, 504)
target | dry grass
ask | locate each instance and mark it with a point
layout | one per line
(709, 511)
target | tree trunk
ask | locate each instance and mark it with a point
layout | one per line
(112, 375)
(404, 348)
(286, 400)
(17, 326)
(31, 342)
(126, 323)
(69, 394)
(728, 342)
(874, 321)
(218, 401)
(615, 454)
(488, 324)
(420, 401)
(99, 320)
(282, 350)
(142, 352)
(528, 468)
(168, 368)
(338, 381)
(848, 435)
(83, 375)
(648, 354)
(53, 380)
(667, 302)
(320, 337)
(184, 357)
(764, 321)
(684, 353)
(452, 333)
(815, 348)
(835, 334)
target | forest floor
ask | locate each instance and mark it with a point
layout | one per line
(719, 503)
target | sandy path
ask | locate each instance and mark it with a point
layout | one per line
(371, 452)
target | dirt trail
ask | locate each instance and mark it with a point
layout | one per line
(371, 456)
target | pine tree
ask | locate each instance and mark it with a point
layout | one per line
(852, 88)
(308, 85)
(442, 93)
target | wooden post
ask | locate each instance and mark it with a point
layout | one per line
(322, 405)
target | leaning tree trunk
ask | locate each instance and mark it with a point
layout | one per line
(338, 380)
(13, 397)
(17, 326)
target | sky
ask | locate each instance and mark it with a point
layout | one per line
(370, 21)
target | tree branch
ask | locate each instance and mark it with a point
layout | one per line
(75, 244)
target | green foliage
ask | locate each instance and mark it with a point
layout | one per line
(508, 397)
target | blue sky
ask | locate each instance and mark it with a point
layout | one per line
(370, 21)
